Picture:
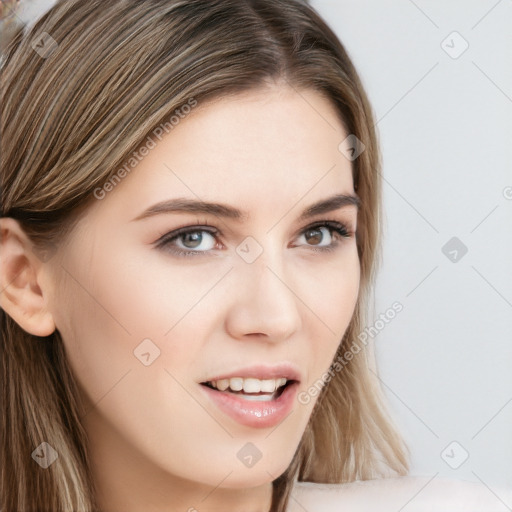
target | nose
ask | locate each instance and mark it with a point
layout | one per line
(263, 303)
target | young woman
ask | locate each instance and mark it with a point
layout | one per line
(189, 236)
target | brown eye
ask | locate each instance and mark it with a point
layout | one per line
(325, 236)
(315, 236)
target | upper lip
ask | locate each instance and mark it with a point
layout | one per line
(262, 372)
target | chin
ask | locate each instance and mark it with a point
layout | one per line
(250, 477)
(261, 473)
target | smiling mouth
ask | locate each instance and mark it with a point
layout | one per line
(250, 388)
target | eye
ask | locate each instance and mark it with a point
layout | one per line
(330, 232)
(194, 239)
(188, 241)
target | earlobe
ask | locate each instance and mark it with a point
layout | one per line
(21, 296)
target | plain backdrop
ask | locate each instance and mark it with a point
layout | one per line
(439, 77)
(443, 106)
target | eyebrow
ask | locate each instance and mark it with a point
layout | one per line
(184, 205)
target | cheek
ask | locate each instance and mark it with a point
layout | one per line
(103, 321)
(330, 294)
(128, 308)
(97, 341)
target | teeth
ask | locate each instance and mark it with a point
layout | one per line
(236, 384)
(249, 385)
(223, 384)
(252, 386)
(269, 386)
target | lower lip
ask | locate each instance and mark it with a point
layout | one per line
(251, 413)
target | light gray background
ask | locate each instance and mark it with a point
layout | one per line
(445, 126)
(446, 132)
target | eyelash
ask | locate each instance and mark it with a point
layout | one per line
(164, 242)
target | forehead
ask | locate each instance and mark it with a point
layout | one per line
(261, 150)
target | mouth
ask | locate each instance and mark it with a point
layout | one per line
(252, 389)
(257, 396)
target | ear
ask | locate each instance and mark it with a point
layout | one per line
(21, 296)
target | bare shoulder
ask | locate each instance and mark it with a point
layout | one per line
(410, 494)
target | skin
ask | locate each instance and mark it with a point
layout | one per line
(156, 443)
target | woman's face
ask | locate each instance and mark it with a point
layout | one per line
(148, 317)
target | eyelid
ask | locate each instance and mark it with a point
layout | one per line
(169, 235)
(332, 222)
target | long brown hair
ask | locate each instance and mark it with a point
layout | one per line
(103, 77)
